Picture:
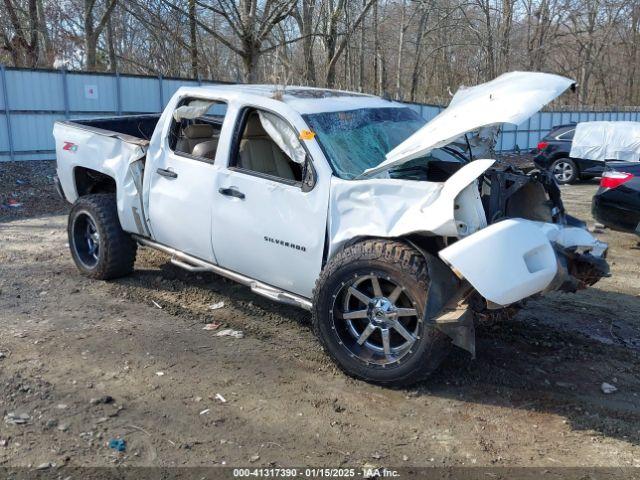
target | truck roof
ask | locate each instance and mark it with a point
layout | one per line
(302, 99)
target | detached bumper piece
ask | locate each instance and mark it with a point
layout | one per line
(516, 258)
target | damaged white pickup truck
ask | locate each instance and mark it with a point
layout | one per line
(392, 232)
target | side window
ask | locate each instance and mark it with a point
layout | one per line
(568, 135)
(266, 144)
(196, 126)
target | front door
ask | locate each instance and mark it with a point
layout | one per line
(269, 224)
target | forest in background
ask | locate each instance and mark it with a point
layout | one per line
(411, 50)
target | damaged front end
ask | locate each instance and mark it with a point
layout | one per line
(530, 246)
(505, 235)
(510, 193)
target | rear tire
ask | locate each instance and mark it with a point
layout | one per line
(565, 171)
(389, 281)
(99, 246)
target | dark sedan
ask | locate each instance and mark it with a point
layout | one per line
(553, 155)
(616, 204)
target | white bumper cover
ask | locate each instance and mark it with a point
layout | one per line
(514, 259)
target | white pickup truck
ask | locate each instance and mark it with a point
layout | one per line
(391, 231)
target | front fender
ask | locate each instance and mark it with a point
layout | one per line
(393, 208)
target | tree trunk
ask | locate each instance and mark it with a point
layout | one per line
(250, 66)
(113, 62)
(376, 46)
(330, 41)
(362, 42)
(49, 53)
(193, 46)
(90, 38)
(308, 8)
(505, 43)
(91, 46)
(415, 74)
(34, 28)
(400, 51)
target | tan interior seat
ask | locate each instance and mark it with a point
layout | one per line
(259, 153)
(206, 149)
(194, 135)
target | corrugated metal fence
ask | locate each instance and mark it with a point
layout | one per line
(31, 100)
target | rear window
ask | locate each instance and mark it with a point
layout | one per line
(568, 135)
(562, 133)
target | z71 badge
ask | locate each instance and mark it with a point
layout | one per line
(70, 147)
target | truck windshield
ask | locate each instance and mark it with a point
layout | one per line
(356, 140)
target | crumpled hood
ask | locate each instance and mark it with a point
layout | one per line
(511, 98)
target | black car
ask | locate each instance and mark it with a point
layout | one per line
(553, 155)
(616, 204)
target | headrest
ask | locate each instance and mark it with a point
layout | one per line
(200, 130)
(254, 127)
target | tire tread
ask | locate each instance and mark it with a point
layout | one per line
(118, 249)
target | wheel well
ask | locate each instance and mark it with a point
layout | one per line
(423, 243)
(90, 181)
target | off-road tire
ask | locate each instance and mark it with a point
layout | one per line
(408, 268)
(565, 162)
(117, 250)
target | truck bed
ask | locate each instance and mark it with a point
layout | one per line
(132, 129)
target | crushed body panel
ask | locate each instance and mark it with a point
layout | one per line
(395, 207)
(116, 155)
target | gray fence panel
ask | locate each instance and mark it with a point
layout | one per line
(92, 93)
(35, 131)
(140, 94)
(32, 90)
(37, 98)
(2, 91)
(4, 137)
(169, 87)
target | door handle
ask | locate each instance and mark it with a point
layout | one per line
(167, 173)
(232, 192)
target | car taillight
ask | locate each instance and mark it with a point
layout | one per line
(613, 179)
(542, 146)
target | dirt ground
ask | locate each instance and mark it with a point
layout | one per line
(88, 361)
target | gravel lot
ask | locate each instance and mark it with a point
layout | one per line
(86, 361)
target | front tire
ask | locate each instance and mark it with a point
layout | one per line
(99, 247)
(368, 314)
(565, 171)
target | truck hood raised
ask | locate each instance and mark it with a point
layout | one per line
(510, 98)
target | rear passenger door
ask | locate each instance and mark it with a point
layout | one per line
(183, 179)
(270, 214)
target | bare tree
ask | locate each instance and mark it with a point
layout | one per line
(22, 42)
(419, 50)
(93, 29)
(335, 43)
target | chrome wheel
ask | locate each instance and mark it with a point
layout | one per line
(376, 320)
(563, 171)
(86, 239)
